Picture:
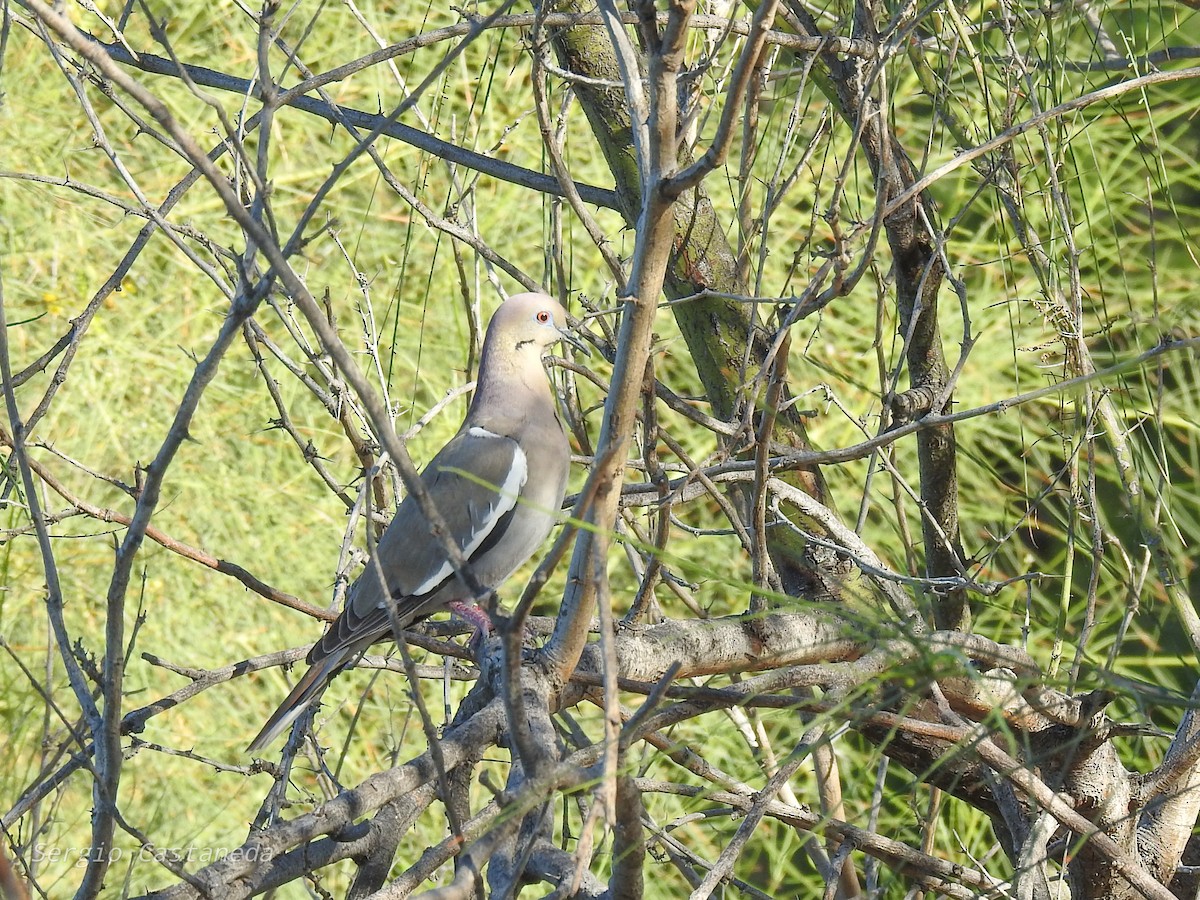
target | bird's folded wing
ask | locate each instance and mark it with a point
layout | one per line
(474, 482)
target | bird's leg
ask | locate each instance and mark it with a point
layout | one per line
(475, 615)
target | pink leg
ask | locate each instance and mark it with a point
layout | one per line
(473, 614)
(478, 618)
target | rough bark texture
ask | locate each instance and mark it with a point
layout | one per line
(727, 348)
(919, 274)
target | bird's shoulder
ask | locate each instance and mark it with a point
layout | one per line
(491, 459)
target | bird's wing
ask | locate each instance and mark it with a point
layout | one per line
(474, 482)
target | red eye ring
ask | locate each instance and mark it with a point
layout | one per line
(544, 316)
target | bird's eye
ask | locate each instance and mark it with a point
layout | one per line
(543, 316)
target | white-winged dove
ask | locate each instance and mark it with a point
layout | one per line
(497, 484)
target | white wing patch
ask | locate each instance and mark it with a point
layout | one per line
(503, 502)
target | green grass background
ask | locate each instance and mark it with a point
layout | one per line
(241, 490)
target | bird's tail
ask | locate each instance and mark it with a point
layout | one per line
(302, 696)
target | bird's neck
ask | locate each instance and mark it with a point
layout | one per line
(500, 379)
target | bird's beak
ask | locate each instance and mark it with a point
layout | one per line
(575, 341)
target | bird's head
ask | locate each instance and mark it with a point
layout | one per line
(530, 324)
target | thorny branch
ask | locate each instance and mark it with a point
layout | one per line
(843, 633)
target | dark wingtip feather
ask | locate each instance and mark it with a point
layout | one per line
(301, 697)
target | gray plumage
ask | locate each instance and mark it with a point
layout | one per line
(498, 484)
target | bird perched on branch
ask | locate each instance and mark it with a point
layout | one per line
(498, 485)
